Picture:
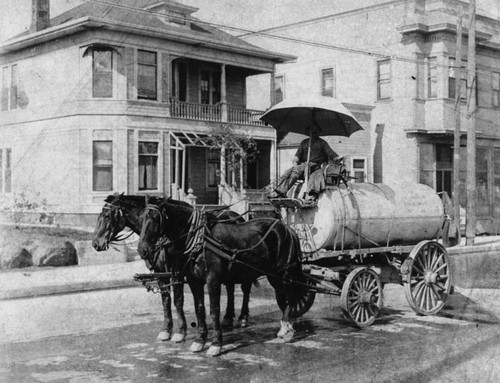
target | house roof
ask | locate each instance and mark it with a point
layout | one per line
(133, 16)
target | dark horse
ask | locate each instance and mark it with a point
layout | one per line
(266, 247)
(121, 211)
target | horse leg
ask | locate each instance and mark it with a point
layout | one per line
(227, 321)
(214, 289)
(166, 330)
(199, 307)
(287, 332)
(245, 311)
(283, 297)
(178, 290)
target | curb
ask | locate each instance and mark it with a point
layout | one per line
(30, 283)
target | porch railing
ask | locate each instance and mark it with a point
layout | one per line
(244, 116)
(195, 111)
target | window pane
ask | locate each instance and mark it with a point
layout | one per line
(103, 74)
(148, 147)
(148, 58)
(358, 164)
(384, 80)
(327, 83)
(148, 175)
(148, 165)
(102, 165)
(146, 82)
(360, 177)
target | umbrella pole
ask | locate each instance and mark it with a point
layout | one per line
(306, 170)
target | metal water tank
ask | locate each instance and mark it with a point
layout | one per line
(368, 215)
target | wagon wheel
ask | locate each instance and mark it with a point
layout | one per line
(303, 298)
(428, 278)
(361, 297)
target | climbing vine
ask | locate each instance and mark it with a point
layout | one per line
(238, 147)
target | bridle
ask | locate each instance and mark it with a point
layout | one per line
(115, 216)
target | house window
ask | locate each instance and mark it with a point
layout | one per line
(102, 70)
(209, 87)
(432, 70)
(10, 80)
(444, 168)
(148, 165)
(147, 75)
(279, 89)
(452, 76)
(327, 82)
(102, 165)
(358, 167)
(496, 89)
(384, 80)
(5, 170)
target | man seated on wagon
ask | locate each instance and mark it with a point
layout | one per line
(321, 153)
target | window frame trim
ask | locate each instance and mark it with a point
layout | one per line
(379, 82)
(157, 75)
(334, 80)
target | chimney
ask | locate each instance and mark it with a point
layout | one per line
(40, 15)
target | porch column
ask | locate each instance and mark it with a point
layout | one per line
(272, 162)
(223, 166)
(223, 100)
(271, 87)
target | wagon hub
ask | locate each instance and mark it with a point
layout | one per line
(430, 278)
(366, 297)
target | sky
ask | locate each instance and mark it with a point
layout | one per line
(245, 14)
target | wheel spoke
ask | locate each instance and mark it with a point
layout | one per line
(420, 262)
(441, 267)
(437, 261)
(436, 294)
(418, 291)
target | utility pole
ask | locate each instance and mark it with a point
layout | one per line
(456, 141)
(470, 225)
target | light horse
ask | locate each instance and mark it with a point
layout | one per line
(258, 247)
(121, 211)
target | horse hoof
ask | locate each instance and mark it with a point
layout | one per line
(286, 331)
(288, 336)
(214, 350)
(196, 347)
(163, 336)
(244, 323)
(178, 337)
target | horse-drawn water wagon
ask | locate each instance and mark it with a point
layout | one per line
(360, 236)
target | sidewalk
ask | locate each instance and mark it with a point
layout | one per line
(473, 267)
(24, 283)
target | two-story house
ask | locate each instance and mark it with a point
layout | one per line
(126, 96)
(399, 58)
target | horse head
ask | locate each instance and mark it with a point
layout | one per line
(161, 221)
(110, 222)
